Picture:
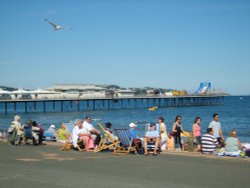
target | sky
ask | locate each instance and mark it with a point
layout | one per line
(132, 43)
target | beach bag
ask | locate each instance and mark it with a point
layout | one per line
(12, 136)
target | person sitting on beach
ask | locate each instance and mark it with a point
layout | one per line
(132, 130)
(37, 133)
(31, 132)
(208, 142)
(95, 134)
(152, 135)
(170, 143)
(81, 133)
(50, 133)
(62, 134)
(233, 145)
(108, 126)
(27, 127)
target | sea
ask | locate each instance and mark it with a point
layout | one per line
(234, 114)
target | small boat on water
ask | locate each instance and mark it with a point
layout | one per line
(241, 98)
(153, 108)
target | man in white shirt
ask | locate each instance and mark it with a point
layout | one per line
(78, 132)
(216, 126)
(95, 134)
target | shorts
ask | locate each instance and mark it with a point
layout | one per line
(198, 140)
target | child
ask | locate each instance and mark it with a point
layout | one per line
(170, 143)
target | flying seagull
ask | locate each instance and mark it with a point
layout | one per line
(56, 27)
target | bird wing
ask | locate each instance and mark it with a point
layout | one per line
(51, 23)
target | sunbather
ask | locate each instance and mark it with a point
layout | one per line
(170, 145)
(108, 126)
(81, 133)
(37, 133)
(50, 133)
(95, 134)
(62, 134)
(151, 135)
(233, 145)
(132, 130)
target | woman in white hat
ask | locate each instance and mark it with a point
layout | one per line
(134, 135)
(50, 134)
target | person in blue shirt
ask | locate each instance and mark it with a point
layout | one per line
(137, 140)
(152, 135)
(132, 130)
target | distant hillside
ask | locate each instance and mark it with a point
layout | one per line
(8, 88)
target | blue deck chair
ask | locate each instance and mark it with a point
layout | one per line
(126, 141)
(70, 126)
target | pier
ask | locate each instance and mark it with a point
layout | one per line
(77, 105)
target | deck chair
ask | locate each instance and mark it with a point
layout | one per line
(151, 144)
(127, 142)
(107, 141)
(68, 144)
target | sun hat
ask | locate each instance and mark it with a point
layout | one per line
(53, 126)
(132, 125)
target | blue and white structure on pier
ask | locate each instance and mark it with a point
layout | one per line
(205, 87)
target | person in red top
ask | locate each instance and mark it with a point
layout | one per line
(197, 133)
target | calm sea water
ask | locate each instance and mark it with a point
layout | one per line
(234, 114)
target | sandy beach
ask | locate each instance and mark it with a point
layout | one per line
(46, 166)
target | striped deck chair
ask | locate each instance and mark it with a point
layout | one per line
(127, 142)
(70, 126)
(107, 140)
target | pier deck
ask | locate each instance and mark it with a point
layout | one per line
(108, 103)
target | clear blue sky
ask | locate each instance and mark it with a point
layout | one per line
(133, 43)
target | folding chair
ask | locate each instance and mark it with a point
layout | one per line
(107, 141)
(151, 144)
(127, 142)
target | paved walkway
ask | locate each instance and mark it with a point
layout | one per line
(45, 166)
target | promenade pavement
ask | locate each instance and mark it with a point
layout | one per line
(46, 166)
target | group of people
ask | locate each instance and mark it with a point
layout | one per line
(22, 134)
(156, 133)
(207, 143)
(86, 132)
